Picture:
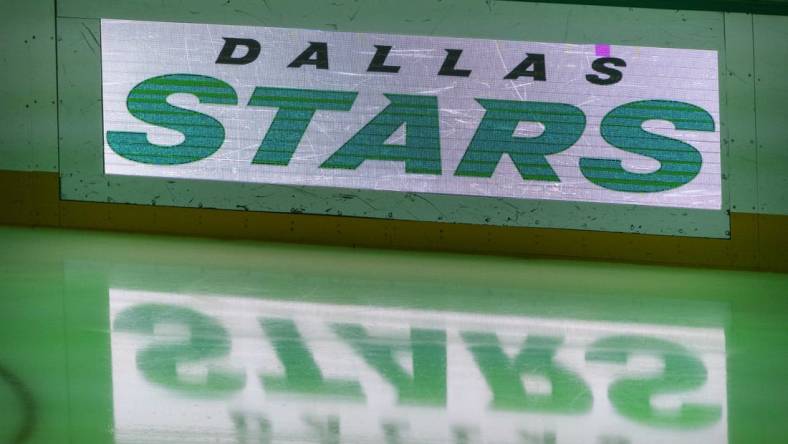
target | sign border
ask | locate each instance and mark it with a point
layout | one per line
(83, 179)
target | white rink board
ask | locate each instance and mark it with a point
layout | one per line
(135, 51)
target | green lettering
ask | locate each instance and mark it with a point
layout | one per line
(682, 371)
(203, 134)
(296, 109)
(421, 151)
(563, 126)
(428, 351)
(302, 374)
(159, 361)
(568, 394)
(623, 128)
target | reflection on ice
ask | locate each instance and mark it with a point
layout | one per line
(234, 369)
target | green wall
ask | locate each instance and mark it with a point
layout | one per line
(28, 112)
(754, 48)
(750, 6)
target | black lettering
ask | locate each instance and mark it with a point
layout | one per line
(316, 54)
(378, 63)
(613, 75)
(539, 72)
(230, 43)
(449, 67)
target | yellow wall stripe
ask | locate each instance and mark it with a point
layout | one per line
(758, 241)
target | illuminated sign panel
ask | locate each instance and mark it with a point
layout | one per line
(416, 114)
(257, 370)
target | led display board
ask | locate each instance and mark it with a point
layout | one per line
(257, 370)
(412, 114)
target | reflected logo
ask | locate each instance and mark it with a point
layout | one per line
(268, 371)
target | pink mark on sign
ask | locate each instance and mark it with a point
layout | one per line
(602, 50)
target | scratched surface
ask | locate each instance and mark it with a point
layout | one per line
(413, 130)
(82, 165)
(108, 337)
